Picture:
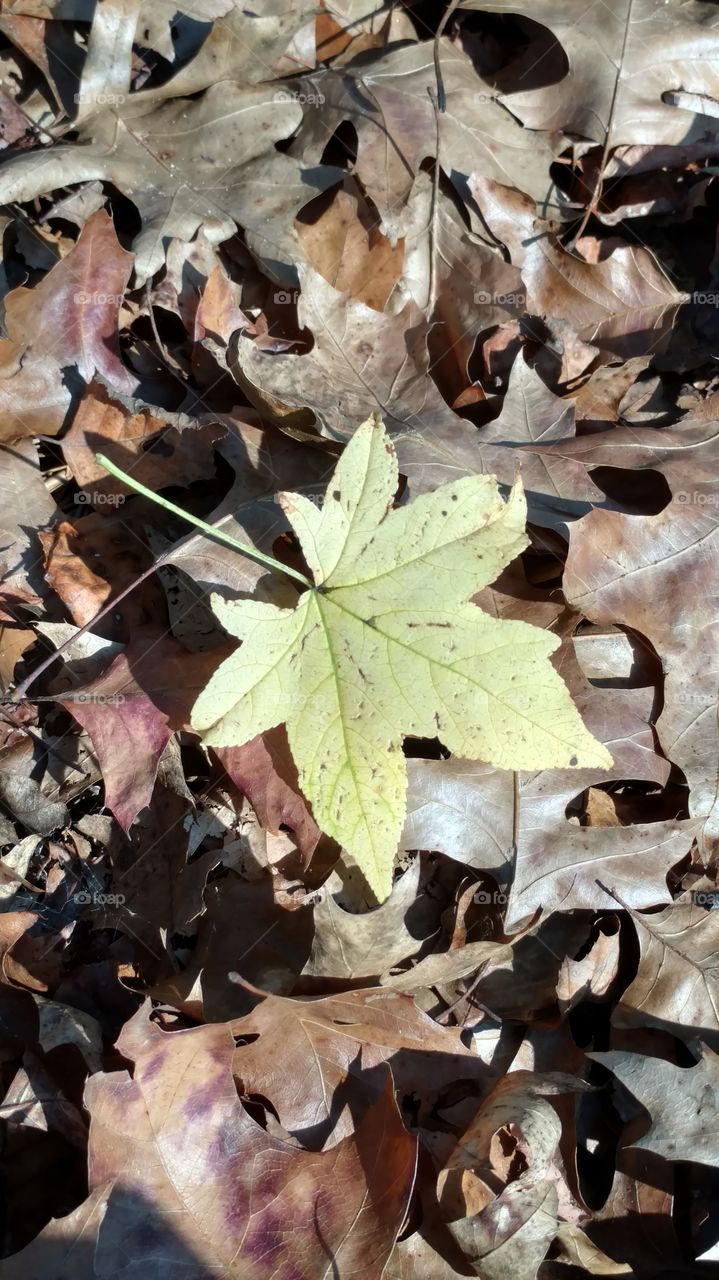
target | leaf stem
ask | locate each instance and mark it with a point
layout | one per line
(251, 552)
(19, 694)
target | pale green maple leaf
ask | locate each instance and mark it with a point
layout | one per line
(386, 643)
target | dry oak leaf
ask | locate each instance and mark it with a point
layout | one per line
(623, 305)
(638, 72)
(361, 362)
(361, 944)
(390, 105)
(385, 643)
(622, 570)
(335, 1045)
(682, 1102)
(557, 488)
(686, 454)
(245, 46)
(677, 982)
(180, 163)
(464, 809)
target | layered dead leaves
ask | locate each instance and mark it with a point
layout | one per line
(229, 236)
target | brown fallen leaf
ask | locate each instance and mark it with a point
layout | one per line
(625, 69)
(89, 560)
(623, 305)
(625, 568)
(336, 1045)
(217, 312)
(245, 932)
(167, 157)
(635, 1224)
(244, 46)
(531, 414)
(464, 286)
(389, 105)
(680, 1101)
(686, 455)
(159, 450)
(346, 248)
(155, 890)
(69, 319)
(225, 1196)
(363, 944)
(591, 977)
(524, 986)
(510, 214)
(466, 810)
(131, 710)
(264, 771)
(677, 984)
(361, 362)
(446, 967)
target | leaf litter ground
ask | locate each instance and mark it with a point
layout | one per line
(229, 239)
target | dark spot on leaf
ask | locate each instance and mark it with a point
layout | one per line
(573, 760)
(336, 495)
